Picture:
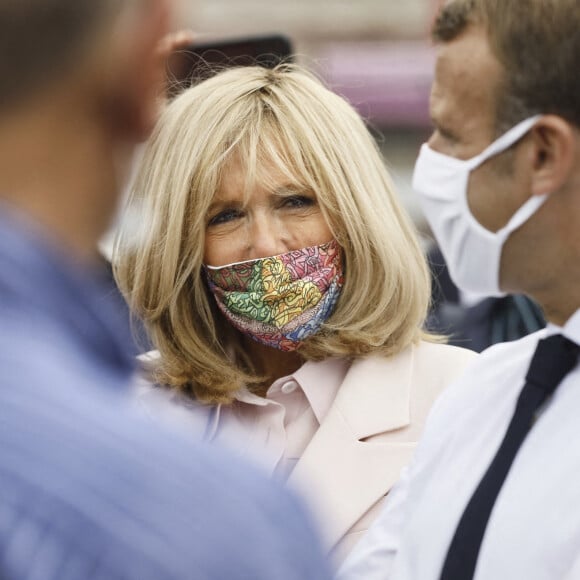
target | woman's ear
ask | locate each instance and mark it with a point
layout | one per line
(554, 153)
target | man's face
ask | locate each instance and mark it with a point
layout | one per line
(463, 104)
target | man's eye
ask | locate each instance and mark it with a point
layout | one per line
(298, 202)
(446, 134)
(225, 216)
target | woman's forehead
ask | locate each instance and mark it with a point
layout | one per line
(245, 173)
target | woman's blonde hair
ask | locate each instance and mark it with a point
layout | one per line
(286, 119)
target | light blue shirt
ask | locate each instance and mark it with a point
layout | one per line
(88, 488)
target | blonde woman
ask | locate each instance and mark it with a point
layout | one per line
(284, 288)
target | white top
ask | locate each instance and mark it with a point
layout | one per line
(534, 529)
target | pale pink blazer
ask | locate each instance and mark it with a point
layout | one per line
(367, 437)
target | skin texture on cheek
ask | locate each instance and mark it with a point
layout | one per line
(463, 96)
(501, 186)
(488, 196)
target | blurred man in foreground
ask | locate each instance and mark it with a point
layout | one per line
(493, 490)
(88, 489)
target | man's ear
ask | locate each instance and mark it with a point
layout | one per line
(137, 70)
(554, 153)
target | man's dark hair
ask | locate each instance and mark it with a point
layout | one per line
(538, 44)
(42, 39)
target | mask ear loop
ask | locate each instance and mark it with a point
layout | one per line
(504, 142)
(523, 214)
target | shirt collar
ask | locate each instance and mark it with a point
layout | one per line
(319, 381)
(570, 330)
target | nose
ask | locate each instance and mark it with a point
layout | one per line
(265, 238)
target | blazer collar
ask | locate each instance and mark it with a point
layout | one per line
(375, 395)
(321, 382)
(342, 474)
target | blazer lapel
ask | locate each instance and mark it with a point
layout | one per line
(342, 474)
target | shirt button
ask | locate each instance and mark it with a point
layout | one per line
(289, 387)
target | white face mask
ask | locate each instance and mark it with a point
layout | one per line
(472, 253)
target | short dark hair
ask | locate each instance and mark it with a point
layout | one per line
(538, 44)
(41, 39)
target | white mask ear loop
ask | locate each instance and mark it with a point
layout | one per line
(523, 214)
(504, 142)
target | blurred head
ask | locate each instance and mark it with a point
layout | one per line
(250, 163)
(41, 41)
(80, 83)
(105, 48)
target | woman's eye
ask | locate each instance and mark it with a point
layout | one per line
(225, 216)
(298, 202)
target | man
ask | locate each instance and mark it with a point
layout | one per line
(494, 487)
(88, 489)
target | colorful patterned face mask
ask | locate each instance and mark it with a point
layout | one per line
(281, 300)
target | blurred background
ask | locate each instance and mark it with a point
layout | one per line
(376, 53)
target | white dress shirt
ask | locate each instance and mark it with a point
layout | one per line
(534, 529)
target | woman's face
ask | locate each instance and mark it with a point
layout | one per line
(272, 220)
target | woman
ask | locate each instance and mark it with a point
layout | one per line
(284, 288)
